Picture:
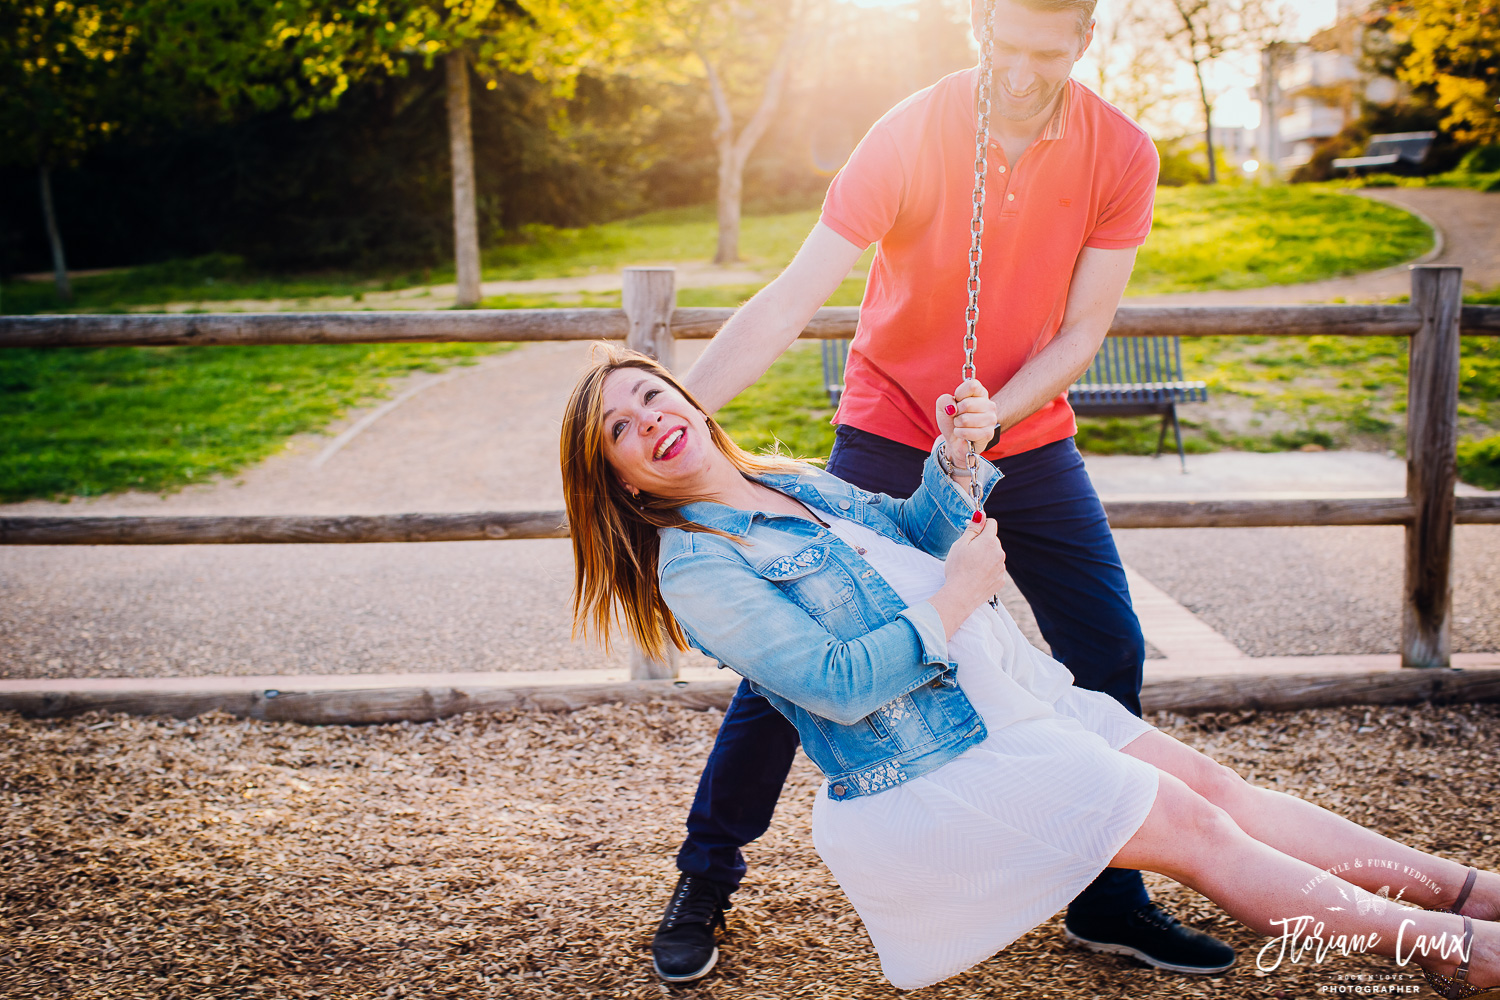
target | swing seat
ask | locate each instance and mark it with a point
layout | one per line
(1138, 376)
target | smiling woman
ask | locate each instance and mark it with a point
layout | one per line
(632, 411)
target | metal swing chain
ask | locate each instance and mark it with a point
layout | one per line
(976, 224)
(976, 230)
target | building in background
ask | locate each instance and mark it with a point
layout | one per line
(1309, 91)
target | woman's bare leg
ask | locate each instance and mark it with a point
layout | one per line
(1322, 838)
(1188, 838)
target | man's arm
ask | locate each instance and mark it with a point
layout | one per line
(1099, 280)
(765, 326)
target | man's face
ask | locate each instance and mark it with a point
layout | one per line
(1033, 54)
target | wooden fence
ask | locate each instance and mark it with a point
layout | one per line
(650, 322)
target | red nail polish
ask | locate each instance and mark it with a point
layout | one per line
(950, 409)
(979, 517)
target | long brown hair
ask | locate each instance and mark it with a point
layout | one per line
(615, 541)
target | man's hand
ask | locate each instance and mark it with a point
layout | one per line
(764, 327)
(965, 418)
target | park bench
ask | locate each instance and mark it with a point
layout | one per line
(1130, 376)
(1138, 376)
(1389, 151)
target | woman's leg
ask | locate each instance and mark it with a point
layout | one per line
(1319, 837)
(1188, 838)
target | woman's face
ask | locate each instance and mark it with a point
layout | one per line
(656, 441)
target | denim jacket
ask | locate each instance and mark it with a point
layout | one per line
(815, 629)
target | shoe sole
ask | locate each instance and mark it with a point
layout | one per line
(713, 960)
(1125, 949)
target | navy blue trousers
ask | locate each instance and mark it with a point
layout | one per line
(1062, 557)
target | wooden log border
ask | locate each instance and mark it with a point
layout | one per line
(1185, 696)
(478, 527)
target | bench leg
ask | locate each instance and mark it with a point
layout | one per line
(1161, 438)
(1177, 429)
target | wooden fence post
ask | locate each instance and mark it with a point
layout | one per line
(1431, 466)
(649, 295)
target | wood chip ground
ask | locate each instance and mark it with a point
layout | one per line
(528, 855)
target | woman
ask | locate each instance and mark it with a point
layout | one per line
(971, 789)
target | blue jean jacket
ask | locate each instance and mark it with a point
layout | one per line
(808, 622)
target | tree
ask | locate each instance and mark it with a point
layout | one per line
(59, 62)
(1455, 51)
(741, 53)
(550, 39)
(1133, 70)
(1203, 31)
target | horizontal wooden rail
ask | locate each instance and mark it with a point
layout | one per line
(478, 527)
(831, 323)
(283, 530)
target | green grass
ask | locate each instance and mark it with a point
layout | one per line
(1232, 236)
(87, 421)
(205, 280)
(1245, 236)
(786, 409)
(1327, 392)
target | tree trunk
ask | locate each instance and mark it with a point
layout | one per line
(731, 189)
(461, 153)
(54, 238)
(1208, 124)
(735, 150)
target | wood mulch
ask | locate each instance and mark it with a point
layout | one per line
(529, 855)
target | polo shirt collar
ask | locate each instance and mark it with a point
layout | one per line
(1057, 125)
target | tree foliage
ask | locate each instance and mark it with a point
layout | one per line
(58, 63)
(1454, 52)
(1204, 31)
(240, 158)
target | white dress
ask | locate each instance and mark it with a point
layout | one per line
(948, 868)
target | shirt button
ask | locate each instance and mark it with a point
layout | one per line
(843, 505)
(1009, 196)
(1001, 168)
(838, 790)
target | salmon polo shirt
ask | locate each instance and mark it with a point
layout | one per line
(1087, 181)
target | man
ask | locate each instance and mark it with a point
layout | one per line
(1069, 191)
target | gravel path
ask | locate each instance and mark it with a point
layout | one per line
(528, 856)
(486, 440)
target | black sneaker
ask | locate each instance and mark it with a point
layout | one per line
(683, 948)
(1153, 936)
